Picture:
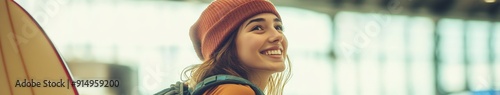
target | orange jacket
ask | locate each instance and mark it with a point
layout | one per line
(230, 89)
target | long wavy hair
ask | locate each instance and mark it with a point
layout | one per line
(225, 61)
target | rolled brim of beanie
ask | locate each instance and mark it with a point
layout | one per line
(230, 22)
(195, 40)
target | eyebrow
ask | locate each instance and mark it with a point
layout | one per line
(262, 19)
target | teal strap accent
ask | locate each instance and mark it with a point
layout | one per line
(215, 80)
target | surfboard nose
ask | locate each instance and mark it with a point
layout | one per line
(27, 54)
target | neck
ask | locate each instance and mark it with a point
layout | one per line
(260, 79)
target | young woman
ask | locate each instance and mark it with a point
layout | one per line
(243, 38)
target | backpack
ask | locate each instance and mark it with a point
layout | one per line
(179, 88)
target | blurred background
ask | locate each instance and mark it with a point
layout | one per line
(337, 47)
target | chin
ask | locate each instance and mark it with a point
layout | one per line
(277, 66)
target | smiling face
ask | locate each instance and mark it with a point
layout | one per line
(260, 43)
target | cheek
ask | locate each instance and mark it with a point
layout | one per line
(285, 43)
(248, 48)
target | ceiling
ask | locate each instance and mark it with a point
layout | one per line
(460, 9)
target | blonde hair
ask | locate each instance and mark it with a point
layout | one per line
(277, 81)
(225, 61)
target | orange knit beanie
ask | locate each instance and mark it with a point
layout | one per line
(222, 17)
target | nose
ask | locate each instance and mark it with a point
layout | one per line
(276, 36)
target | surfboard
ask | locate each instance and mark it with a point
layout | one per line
(29, 62)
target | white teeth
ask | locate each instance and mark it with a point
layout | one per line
(273, 52)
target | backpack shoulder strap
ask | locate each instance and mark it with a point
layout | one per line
(179, 88)
(215, 80)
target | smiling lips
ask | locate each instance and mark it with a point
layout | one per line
(272, 52)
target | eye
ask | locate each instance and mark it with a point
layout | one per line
(278, 27)
(257, 28)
